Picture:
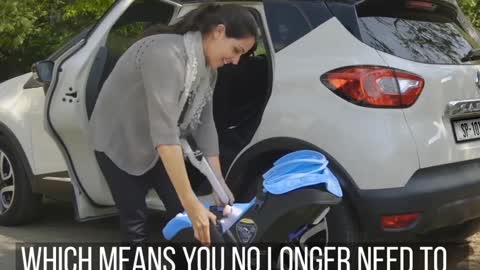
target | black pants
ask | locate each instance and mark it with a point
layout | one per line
(129, 193)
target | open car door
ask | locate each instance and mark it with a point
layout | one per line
(78, 75)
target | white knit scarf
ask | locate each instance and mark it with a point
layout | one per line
(199, 82)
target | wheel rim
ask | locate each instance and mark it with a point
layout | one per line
(7, 183)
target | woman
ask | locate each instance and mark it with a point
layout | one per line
(138, 121)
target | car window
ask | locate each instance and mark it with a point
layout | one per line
(429, 33)
(288, 21)
(423, 41)
(131, 26)
(80, 30)
(83, 34)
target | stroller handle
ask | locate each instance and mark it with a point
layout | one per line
(198, 160)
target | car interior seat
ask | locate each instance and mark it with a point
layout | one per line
(102, 66)
(239, 98)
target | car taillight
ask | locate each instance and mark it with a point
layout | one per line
(423, 5)
(399, 221)
(373, 86)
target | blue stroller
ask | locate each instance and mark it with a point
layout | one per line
(297, 194)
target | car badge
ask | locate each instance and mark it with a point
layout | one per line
(477, 79)
(463, 107)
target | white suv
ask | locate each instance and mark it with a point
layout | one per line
(389, 91)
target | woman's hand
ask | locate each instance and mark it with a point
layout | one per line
(214, 161)
(172, 158)
(231, 198)
(200, 218)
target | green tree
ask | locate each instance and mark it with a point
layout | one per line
(471, 8)
(30, 30)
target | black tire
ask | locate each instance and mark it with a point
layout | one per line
(24, 205)
(245, 193)
(342, 225)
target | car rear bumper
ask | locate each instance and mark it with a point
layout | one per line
(445, 196)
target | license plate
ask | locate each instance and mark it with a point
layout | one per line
(467, 130)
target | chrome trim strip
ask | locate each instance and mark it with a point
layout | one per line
(477, 79)
(459, 108)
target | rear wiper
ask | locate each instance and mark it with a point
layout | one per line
(472, 55)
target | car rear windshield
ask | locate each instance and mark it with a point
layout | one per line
(426, 36)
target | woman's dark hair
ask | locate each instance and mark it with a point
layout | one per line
(239, 21)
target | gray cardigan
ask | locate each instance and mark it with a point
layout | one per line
(138, 106)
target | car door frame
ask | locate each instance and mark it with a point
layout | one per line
(86, 207)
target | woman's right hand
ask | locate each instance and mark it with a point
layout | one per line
(172, 158)
(200, 217)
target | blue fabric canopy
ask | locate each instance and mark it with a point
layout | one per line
(300, 169)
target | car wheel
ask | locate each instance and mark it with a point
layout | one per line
(18, 204)
(343, 227)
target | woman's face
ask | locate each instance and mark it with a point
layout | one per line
(220, 49)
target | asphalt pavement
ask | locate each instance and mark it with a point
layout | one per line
(58, 225)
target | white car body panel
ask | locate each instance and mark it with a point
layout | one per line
(301, 107)
(46, 154)
(430, 126)
(21, 110)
